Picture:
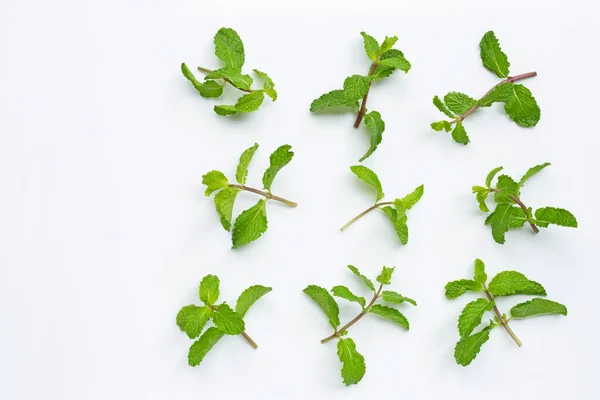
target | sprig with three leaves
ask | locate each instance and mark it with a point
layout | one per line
(251, 223)
(394, 210)
(353, 363)
(384, 61)
(230, 49)
(192, 319)
(519, 103)
(505, 283)
(511, 212)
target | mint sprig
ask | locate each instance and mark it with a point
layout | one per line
(230, 50)
(192, 319)
(384, 61)
(519, 103)
(511, 212)
(394, 210)
(353, 363)
(251, 223)
(505, 283)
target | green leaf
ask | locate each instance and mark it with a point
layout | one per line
(335, 98)
(388, 43)
(499, 94)
(207, 89)
(363, 278)
(557, 216)
(522, 107)
(242, 168)
(400, 63)
(268, 85)
(471, 316)
(481, 194)
(353, 363)
(250, 225)
(506, 283)
(249, 297)
(386, 275)
(491, 175)
(399, 223)
(279, 159)
(214, 180)
(506, 186)
(500, 221)
(356, 86)
(368, 176)
(208, 290)
(408, 201)
(224, 201)
(537, 307)
(396, 298)
(531, 172)
(492, 56)
(532, 288)
(227, 320)
(191, 319)
(250, 102)
(327, 303)
(224, 110)
(229, 48)
(390, 314)
(345, 293)
(459, 103)
(467, 348)
(441, 126)
(459, 134)
(202, 346)
(239, 80)
(371, 46)
(376, 127)
(479, 274)
(456, 289)
(440, 106)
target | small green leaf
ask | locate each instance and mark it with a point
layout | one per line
(279, 159)
(363, 278)
(390, 314)
(481, 194)
(191, 319)
(441, 126)
(268, 85)
(408, 201)
(537, 307)
(459, 103)
(214, 180)
(492, 56)
(229, 48)
(327, 303)
(386, 275)
(400, 63)
(353, 363)
(467, 349)
(499, 94)
(500, 220)
(250, 102)
(506, 283)
(388, 43)
(209, 289)
(242, 168)
(224, 110)
(206, 89)
(557, 216)
(356, 86)
(531, 172)
(224, 201)
(459, 134)
(471, 316)
(479, 275)
(250, 225)
(532, 288)
(376, 127)
(345, 293)
(239, 80)
(335, 98)
(522, 107)
(202, 346)
(440, 106)
(227, 320)
(369, 177)
(396, 298)
(506, 187)
(491, 175)
(456, 289)
(399, 222)
(249, 297)
(371, 46)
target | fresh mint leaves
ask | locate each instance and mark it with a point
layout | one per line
(353, 363)
(505, 283)
(394, 210)
(519, 103)
(510, 212)
(192, 319)
(230, 50)
(384, 61)
(251, 223)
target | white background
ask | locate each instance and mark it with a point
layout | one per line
(105, 232)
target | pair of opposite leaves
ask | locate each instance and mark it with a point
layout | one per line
(518, 101)
(192, 319)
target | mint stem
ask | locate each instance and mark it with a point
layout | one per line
(509, 79)
(208, 71)
(526, 211)
(268, 195)
(362, 214)
(502, 320)
(363, 106)
(244, 334)
(364, 312)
